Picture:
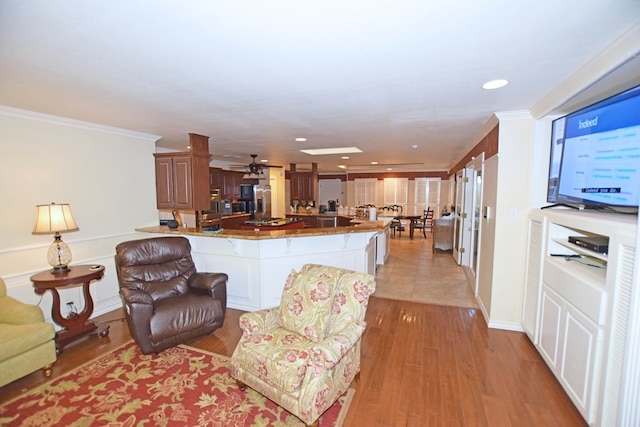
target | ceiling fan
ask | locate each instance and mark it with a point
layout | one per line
(254, 170)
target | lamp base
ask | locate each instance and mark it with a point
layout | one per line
(60, 269)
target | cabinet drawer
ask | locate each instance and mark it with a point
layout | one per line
(563, 277)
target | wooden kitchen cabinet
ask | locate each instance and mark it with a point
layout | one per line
(215, 178)
(182, 181)
(304, 185)
(231, 184)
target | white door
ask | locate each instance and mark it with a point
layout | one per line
(471, 221)
(457, 216)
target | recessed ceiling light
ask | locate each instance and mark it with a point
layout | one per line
(495, 84)
(264, 160)
(374, 163)
(345, 157)
(414, 146)
(301, 139)
(338, 150)
(389, 169)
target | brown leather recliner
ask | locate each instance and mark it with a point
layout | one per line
(166, 301)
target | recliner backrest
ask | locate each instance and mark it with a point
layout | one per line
(160, 266)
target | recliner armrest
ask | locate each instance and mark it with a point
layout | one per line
(207, 281)
(328, 352)
(135, 296)
(215, 284)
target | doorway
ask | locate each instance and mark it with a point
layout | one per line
(471, 229)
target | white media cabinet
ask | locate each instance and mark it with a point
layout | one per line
(576, 309)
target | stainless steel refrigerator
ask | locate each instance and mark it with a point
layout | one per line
(262, 201)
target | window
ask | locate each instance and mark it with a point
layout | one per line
(396, 191)
(427, 195)
(365, 191)
(329, 189)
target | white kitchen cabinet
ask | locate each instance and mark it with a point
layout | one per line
(576, 306)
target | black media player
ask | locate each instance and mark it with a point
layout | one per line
(596, 244)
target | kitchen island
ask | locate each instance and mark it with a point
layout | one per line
(258, 262)
(272, 224)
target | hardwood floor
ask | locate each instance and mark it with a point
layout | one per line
(422, 365)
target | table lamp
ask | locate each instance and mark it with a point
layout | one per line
(55, 218)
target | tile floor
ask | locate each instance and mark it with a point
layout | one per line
(414, 273)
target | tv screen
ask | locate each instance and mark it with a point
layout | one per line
(595, 155)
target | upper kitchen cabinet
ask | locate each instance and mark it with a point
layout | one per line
(182, 179)
(304, 185)
(231, 184)
(215, 178)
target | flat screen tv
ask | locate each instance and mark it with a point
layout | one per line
(595, 156)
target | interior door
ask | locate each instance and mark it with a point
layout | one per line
(466, 218)
(471, 224)
(457, 216)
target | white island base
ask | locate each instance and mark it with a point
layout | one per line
(258, 268)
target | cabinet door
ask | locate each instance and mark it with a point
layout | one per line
(236, 180)
(533, 278)
(183, 190)
(550, 327)
(578, 361)
(215, 178)
(307, 187)
(164, 183)
(296, 188)
(231, 185)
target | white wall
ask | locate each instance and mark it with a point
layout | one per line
(487, 239)
(107, 176)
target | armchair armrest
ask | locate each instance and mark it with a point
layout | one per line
(137, 303)
(208, 281)
(16, 312)
(257, 321)
(215, 284)
(328, 352)
(135, 296)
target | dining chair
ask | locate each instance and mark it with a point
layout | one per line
(396, 224)
(425, 223)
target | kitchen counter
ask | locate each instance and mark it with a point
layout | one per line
(258, 262)
(361, 227)
(273, 224)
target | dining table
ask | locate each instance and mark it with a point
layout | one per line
(412, 222)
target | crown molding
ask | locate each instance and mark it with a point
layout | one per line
(615, 55)
(63, 121)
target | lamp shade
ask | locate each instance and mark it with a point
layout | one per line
(54, 218)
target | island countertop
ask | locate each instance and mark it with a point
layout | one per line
(359, 227)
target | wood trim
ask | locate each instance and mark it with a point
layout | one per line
(487, 145)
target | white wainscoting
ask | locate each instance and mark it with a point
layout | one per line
(98, 250)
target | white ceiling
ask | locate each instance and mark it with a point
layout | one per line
(253, 75)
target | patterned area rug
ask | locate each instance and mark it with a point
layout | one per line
(182, 386)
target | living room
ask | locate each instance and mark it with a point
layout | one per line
(106, 174)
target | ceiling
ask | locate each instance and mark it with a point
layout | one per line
(401, 80)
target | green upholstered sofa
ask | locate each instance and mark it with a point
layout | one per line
(26, 340)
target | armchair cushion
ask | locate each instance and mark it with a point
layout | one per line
(306, 302)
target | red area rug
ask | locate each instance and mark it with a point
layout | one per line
(182, 386)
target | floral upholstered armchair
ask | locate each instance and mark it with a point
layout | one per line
(304, 354)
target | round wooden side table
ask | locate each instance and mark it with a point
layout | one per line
(75, 325)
